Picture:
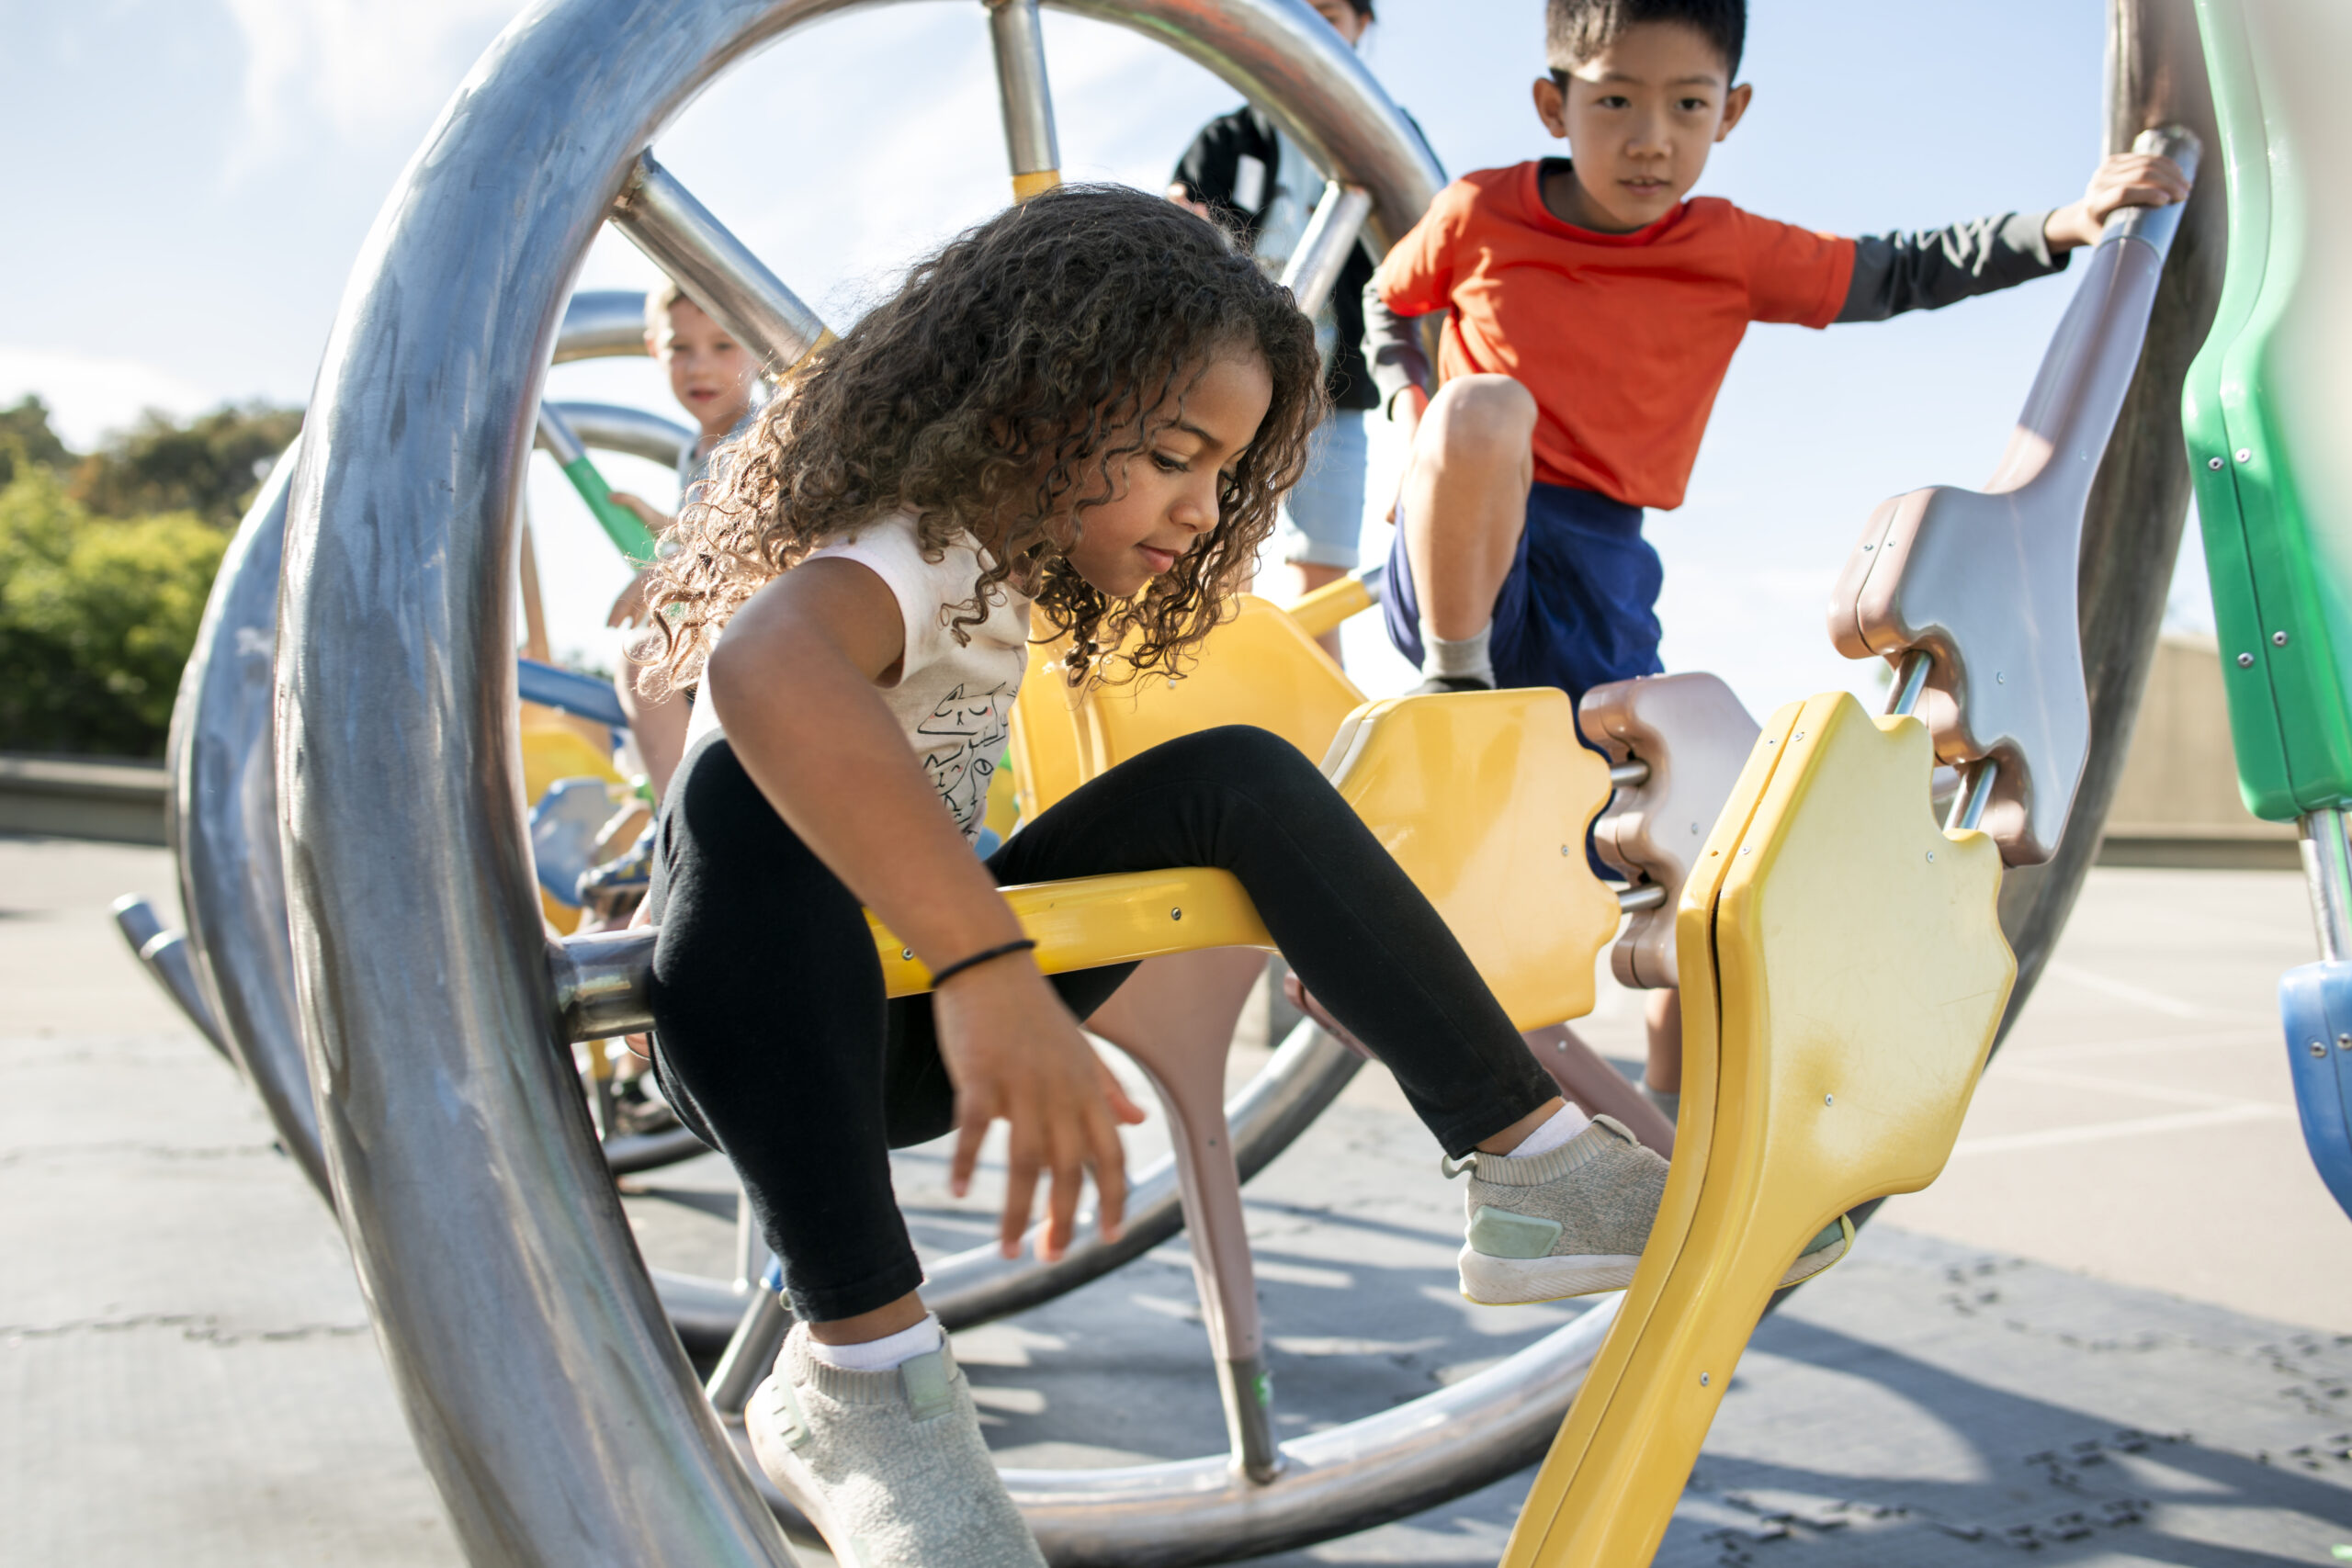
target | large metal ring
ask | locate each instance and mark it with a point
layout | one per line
(458, 1147)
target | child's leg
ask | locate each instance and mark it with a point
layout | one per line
(1360, 935)
(657, 724)
(1662, 1079)
(775, 1044)
(1464, 506)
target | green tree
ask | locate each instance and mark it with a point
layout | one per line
(211, 465)
(96, 617)
(25, 437)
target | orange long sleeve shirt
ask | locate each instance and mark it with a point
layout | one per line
(1623, 339)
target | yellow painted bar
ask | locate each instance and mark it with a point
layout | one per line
(1322, 610)
(1848, 957)
(1026, 186)
(1090, 921)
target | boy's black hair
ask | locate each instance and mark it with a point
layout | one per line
(1576, 30)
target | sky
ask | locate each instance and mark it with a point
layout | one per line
(196, 178)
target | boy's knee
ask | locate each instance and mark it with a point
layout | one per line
(1480, 419)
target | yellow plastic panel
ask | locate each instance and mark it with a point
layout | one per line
(1045, 735)
(1843, 973)
(1483, 798)
(1038, 184)
(1258, 668)
(1089, 921)
(555, 747)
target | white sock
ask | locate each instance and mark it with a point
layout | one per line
(880, 1355)
(1565, 1123)
(1467, 657)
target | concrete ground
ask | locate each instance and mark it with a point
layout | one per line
(2117, 1331)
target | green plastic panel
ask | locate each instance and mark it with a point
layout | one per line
(2265, 406)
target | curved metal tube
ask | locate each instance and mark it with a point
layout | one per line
(609, 427)
(601, 323)
(223, 809)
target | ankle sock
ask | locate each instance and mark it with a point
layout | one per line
(880, 1355)
(1564, 1125)
(1466, 658)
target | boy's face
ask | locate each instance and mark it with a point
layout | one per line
(1639, 117)
(710, 373)
(1343, 17)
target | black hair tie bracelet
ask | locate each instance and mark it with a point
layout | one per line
(984, 956)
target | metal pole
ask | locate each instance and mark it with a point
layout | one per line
(662, 218)
(1019, 40)
(1324, 249)
(2327, 867)
(1968, 806)
(1910, 683)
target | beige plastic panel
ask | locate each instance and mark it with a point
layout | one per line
(1983, 581)
(1695, 737)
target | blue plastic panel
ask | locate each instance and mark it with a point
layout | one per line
(2315, 1003)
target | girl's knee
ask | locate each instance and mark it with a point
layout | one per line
(1243, 755)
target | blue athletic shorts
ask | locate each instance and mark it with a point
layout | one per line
(1579, 608)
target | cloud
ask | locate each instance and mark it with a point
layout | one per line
(89, 395)
(362, 66)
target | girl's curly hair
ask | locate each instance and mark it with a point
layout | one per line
(997, 393)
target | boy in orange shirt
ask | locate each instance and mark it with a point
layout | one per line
(1594, 311)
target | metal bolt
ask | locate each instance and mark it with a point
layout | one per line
(1829, 1099)
(1999, 679)
(907, 954)
(1175, 914)
(1564, 849)
(1931, 857)
(2212, 462)
(2343, 1042)
(2246, 660)
(1748, 849)
(2319, 1047)
(1695, 827)
(1800, 734)
(1702, 1380)
(2244, 455)
(2278, 639)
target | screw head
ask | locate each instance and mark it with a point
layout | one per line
(1829, 1099)
(1702, 1380)
(1999, 679)
(2212, 462)
(2278, 639)
(2343, 1042)
(2246, 660)
(2244, 455)
(1931, 857)
(1175, 914)
(907, 954)
(1564, 849)
(2319, 1047)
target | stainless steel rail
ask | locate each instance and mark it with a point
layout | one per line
(682, 239)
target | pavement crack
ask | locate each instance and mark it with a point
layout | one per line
(195, 1327)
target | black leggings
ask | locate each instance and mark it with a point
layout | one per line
(774, 1042)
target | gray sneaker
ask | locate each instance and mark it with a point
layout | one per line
(1573, 1220)
(888, 1466)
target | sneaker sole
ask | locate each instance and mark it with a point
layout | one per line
(1524, 1282)
(784, 1467)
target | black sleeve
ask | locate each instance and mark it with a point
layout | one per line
(1212, 165)
(1393, 345)
(1926, 271)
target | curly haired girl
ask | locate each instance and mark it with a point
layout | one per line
(1078, 417)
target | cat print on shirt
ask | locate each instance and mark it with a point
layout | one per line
(960, 744)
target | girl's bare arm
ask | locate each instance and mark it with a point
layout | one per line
(794, 681)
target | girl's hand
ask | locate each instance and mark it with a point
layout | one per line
(2125, 179)
(1013, 1050)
